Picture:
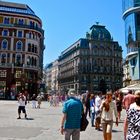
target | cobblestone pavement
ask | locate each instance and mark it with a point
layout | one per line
(42, 124)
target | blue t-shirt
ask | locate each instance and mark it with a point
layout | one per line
(73, 109)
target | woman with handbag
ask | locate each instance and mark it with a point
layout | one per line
(108, 107)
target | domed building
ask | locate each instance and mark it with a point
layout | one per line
(93, 63)
(21, 50)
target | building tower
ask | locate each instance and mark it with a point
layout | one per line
(21, 49)
(131, 16)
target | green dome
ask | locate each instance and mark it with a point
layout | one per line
(99, 32)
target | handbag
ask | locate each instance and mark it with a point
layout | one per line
(84, 122)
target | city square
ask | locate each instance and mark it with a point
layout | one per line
(84, 53)
(43, 124)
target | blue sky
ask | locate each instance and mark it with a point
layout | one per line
(66, 21)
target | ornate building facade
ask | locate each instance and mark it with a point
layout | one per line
(93, 63)
(21, 49)
(51, 74)
(131, 16)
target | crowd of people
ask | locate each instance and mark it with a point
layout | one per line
(98, 108)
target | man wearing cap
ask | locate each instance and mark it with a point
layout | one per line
(72, 110)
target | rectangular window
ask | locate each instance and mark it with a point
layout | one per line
(19, 33)
(3, 73)
(20, 21)
(6, 20)
(5, 33)
(18, 74)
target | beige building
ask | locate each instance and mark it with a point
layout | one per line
(51, 72)
(93, 63)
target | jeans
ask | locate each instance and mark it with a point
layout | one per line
(75, 133)
(92, 118)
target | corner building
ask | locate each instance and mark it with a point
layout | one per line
(131, 16)
(21, 50)
(93, 63)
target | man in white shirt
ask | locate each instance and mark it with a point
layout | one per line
(98, 102)
(21, 106)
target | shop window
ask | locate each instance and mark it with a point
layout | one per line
(3, 73)
(18, 74)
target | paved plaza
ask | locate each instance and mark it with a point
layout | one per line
(43, 124)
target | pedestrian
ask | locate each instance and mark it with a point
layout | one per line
(87, 104)
(108, 107)
(72, 110)
(98, 102)
(21, 106)
(33, 98)
(119, 99)
(92, 109)
(39, 100)
(133, 119)
(127, 101)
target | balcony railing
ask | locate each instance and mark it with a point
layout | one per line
(29, 27)
(23, 26)
(9, 65)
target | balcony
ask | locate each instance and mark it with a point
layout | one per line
(18, 65)
(29, 27)
(23, 26)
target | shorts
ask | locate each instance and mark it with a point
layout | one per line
(107, 126)
(21, 108)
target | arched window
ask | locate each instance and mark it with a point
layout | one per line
(35, 62)
(20, 21)
(4, 44)
(32, 61)
(28, 60)
(18, 59)
(5, 33)
(32, 47)
(35, 49)
(3, 58)
(29, 47)
(19, 45)
(30, 35)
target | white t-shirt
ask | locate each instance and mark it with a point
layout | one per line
(21, 102)
(98, 102)
(112, 109)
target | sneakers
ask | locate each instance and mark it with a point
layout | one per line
(19, 118)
